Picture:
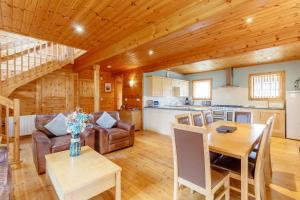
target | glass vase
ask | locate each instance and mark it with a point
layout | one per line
(75, 146)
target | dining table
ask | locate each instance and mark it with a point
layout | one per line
(237, 144)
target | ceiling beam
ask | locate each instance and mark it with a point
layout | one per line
(190, 15)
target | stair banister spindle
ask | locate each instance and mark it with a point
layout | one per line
(28, 60)
(34, 54)
(22, 61)
(15, 63)
(41, 53)
(47, 53)
(7, 67)
(52, 53)
(7, 125)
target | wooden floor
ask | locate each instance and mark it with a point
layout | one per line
(148, 172)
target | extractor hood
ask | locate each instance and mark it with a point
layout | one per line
(229, 78)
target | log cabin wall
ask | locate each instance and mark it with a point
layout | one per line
(133, 94)
(86, 90)
(52, 93)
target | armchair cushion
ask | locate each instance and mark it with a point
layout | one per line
(57, 125)
(60, 143)
(116, 134)
(106, 121)
(125, 125)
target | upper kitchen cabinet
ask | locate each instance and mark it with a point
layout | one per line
(155, 86)
(163, 86)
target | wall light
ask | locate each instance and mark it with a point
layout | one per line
(131, 83)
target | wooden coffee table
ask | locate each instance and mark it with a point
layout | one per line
(84, 176)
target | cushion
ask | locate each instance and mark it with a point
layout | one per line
(57, 126)
(106, 121)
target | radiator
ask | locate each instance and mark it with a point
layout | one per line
(26, 125)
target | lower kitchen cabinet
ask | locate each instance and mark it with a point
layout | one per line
(133, 116)
(261, 116)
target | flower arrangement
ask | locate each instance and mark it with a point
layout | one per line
(76, 123)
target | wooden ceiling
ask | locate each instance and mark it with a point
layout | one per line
(121, 33)
(105, 21)
(258, 57)
(274, 23)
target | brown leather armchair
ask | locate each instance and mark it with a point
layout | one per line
(115, 138)
(44, 142)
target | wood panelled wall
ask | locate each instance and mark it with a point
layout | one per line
(86, 88)
(133, 96)
(62, 91)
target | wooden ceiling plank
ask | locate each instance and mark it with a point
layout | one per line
(182, 18)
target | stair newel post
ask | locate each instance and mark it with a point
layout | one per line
(47, 54)
(34, 55)
(28, 60)
(16, 152)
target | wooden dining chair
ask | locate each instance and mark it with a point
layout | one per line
(191, 164)
(256, 170)
(208, 116)
(184, 119)
(267, 156)
(197, 119)
(242, 117)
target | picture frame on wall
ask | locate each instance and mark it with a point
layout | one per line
(107, 87)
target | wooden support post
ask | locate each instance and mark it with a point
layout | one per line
(0, 65)
(16, 152)
(7, 125)
(96, 88)
(7, 67)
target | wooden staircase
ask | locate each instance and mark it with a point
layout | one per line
(20, 66)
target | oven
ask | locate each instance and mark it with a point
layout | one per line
(224, 115)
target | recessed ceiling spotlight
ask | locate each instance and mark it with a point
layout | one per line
(249, 20)
(108, 66)
(151, 52)
(269, 57)
(78, 28)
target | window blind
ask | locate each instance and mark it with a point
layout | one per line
(202, 89)
(266, 86)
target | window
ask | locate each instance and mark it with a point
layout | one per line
(202, 89)
(266, 86)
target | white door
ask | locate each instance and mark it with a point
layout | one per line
(292, 114)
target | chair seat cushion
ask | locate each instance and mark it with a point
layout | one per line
(217, 175)
(117, 134)
(233, 165)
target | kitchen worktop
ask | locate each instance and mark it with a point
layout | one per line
(197, 108)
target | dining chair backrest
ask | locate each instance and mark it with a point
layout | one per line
(259, 164)
(208, 116)
(197, 119)
(184, 119)
(242, 117)
(191, 155)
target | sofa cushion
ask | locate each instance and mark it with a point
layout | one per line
(61, 143)
(57, 126)
(106, 121)
(117, 134)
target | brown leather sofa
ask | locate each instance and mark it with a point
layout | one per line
(44, 142)
(5, 175)
(115, 138)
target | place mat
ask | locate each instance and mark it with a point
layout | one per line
(226, 129)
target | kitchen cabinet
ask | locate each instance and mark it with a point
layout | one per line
(133, 116)
(167, 87)
(164, 86)
(155, 86)
(262, 115)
